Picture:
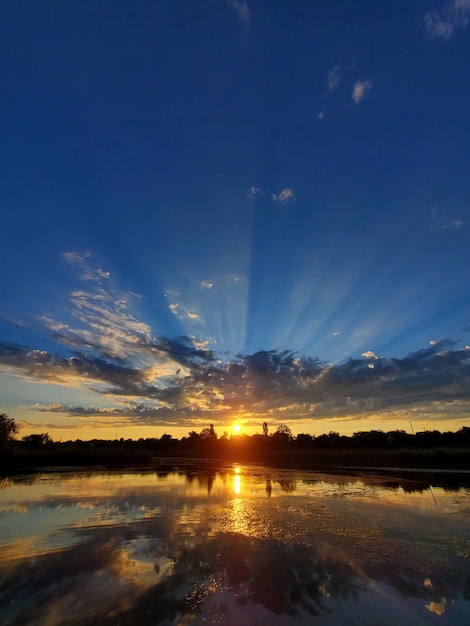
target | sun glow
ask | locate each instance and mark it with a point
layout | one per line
(237, 428)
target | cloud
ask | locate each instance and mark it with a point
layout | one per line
(286, 195)
(334, 77)
(457, 224)
(438, 224)
(82, 261)
(254, 191)
(454, 15)
(360, 89)
(76, 258)
(438, 26)
(104, 325)
(241, 9)
(436, 607)
(182, 312)
(369, 355)
(137, 412)
(206, 284)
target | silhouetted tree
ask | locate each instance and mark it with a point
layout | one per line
(304, 440)
(329, 441)
(8, 429)
(35, 441)
(265, 429)
(283, 429)
(370, 439)
(428, 438)
(282, 437)
(399, 438)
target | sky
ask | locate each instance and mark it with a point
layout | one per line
(229, 211)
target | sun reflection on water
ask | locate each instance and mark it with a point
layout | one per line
(237, 483)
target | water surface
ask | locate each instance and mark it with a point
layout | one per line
(234, 546)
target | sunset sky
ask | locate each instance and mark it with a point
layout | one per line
(229, 211)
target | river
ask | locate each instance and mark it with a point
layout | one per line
(233, 545)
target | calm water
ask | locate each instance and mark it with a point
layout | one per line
(235, 546)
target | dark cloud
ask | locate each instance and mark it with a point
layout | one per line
(183, 351)
(42, 365)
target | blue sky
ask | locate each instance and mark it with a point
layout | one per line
(219, 211)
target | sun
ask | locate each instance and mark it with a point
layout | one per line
(236, 428)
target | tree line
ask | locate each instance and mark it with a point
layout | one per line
(394, 448)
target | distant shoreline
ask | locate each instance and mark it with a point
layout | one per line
(364, 451)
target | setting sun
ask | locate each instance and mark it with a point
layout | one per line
(236, 428)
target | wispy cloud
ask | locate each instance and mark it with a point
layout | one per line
(438, 223)
(181, 312)
(192, 315)
(457, 224)
(106, 325)
(254, 191)
(360, 90)
(286, 195)
(334, 77)
(82, 261)
(76, 257)
(241, 9)
(444, 22)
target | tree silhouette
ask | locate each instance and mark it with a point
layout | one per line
(282, 437)
(37, 440)
(8, 429)
(284, 430)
